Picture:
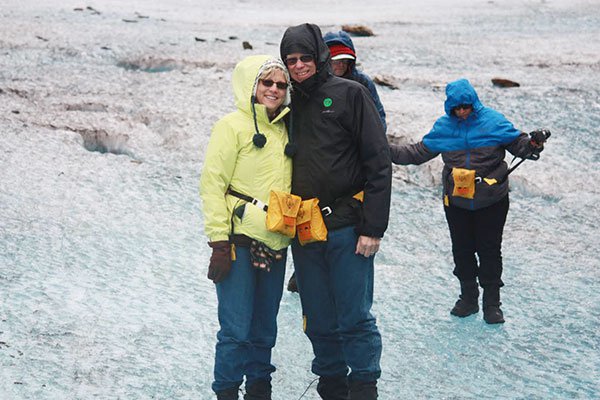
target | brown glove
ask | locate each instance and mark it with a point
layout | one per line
(220, 260)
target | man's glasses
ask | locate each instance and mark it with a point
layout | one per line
(305, 58)
(269, 82)
(463, 107)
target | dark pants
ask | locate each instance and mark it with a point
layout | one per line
(478, 232)
(336, 291)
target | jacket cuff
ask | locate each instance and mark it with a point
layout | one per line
(363, 230)
(218, 238)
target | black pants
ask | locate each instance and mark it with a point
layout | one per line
(478, 232)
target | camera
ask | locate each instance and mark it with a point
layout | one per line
(539, 136)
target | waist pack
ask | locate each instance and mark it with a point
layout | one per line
(464, 182)
(281, 213)
(288, 214)
(310, 224)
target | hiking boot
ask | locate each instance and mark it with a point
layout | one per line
(292, 284)
(463, 308)
(259, 390)
(228, 394)
(333, 387)
(363, 390)
(493, 315)
(467, 302)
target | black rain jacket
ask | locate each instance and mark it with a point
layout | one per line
(341, 144)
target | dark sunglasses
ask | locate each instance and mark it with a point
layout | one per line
(463, 107)
(305, 58)
(269, 82)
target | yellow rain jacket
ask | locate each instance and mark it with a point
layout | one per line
(232, 160)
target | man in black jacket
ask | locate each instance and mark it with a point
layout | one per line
(341, 151)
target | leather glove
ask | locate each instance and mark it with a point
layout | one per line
(220, 260)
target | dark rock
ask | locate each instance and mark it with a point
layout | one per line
(42, 38)
(387, 81)
(105, 48)
(358, 30)
(247, 46)
(93, 10)
(539, 65)
(131, 21)
(233, 38)
(16, 112)
(197, 39)
(504, 83)
(220, 40)
(78, 9)
(88, 107)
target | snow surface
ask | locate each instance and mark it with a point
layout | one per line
(103, 127)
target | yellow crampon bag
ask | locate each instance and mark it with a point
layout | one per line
(310, 224)
(464, 182)
(282, 212)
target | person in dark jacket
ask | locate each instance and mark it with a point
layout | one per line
(472, 139)
(343, 64)
(342, 151)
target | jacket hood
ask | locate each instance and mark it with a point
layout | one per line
(340, 37)
(307, 39)
(245, 78)
(461, 92)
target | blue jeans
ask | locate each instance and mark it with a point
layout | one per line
(336, 292)
(248, 306)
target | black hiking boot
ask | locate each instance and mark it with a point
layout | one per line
(333, 387)
(493, 315)
(259, 390)
(228, 394)
(363, 390)
(463, 308)
(467, 303)
(292, 284)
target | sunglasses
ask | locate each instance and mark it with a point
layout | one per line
(463, 107)
(305, 58)
(339, 62)
(269, 82)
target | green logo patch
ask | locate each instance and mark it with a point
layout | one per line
(327, 102)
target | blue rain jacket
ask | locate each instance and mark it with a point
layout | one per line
(476, 143)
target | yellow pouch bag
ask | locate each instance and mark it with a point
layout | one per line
(464, 182)
(282, 212)
(310, 224)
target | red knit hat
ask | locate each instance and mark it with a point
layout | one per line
(340, 52)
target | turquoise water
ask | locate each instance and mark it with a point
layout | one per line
(103, 293)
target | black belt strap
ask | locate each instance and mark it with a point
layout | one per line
(247, 198)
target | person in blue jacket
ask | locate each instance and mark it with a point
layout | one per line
(472, 139)
(343, 64)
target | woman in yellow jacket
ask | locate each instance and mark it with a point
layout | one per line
(247, 157)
